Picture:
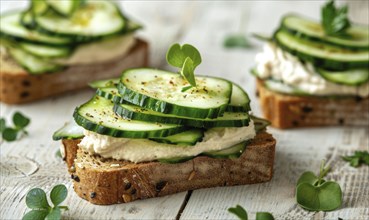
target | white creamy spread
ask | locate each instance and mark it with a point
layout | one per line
(274, 63)
(100, 51)
(140, 150)
(94, 52)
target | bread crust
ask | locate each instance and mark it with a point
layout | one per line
(107, 181)
(288, 111)
(17, 86)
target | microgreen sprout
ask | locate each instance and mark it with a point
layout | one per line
(359, 157)
(316, 194)
(187, 58)
(241, 213)
(37, 201)
(12, 133)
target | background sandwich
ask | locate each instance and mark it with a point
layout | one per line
(315, 74)
(59, 46)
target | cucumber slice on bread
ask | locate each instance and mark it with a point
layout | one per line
(351, 77)
(357, 36)
(94, 19)
(68, 131)
(161, 91)
(321, 54)
(229, 119)
(10, 27)
(190, 137)
(34, 65)
(45, 51)
(134, 112)
(240, 101)
(97, 115)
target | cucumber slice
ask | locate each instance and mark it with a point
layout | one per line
(352, 77)
(10, 27)
(280, 87)
(229, 153)
(45, 51)
(161, 91)
(190, 137)
(69, 131)
(229, 119)
(104, 83)
(259, 123)
(127, 110)
(321, 54)
(240, 101)
(97, 115)
(33, 64)
(112, 94)
(94, 20)
(358, 36)
(64, 7)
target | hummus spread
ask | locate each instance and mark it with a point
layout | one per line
(140, 150)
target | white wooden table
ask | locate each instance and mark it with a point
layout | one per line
(31, 161)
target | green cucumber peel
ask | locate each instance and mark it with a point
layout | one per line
(314, 193)
(187, 58)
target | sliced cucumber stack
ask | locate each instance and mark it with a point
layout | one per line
(161, 91)
(134, 112)
(94, 20)
(111, 113)
(229, 119)
(97, 115)
(320, 54)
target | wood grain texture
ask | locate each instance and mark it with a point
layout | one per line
(30, 162)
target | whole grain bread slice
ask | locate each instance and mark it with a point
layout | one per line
(107, 181)
(18, 86)
(288, 111)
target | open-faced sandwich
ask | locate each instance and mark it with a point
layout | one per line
(153, 133)
(59, 46)
(315, 74)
